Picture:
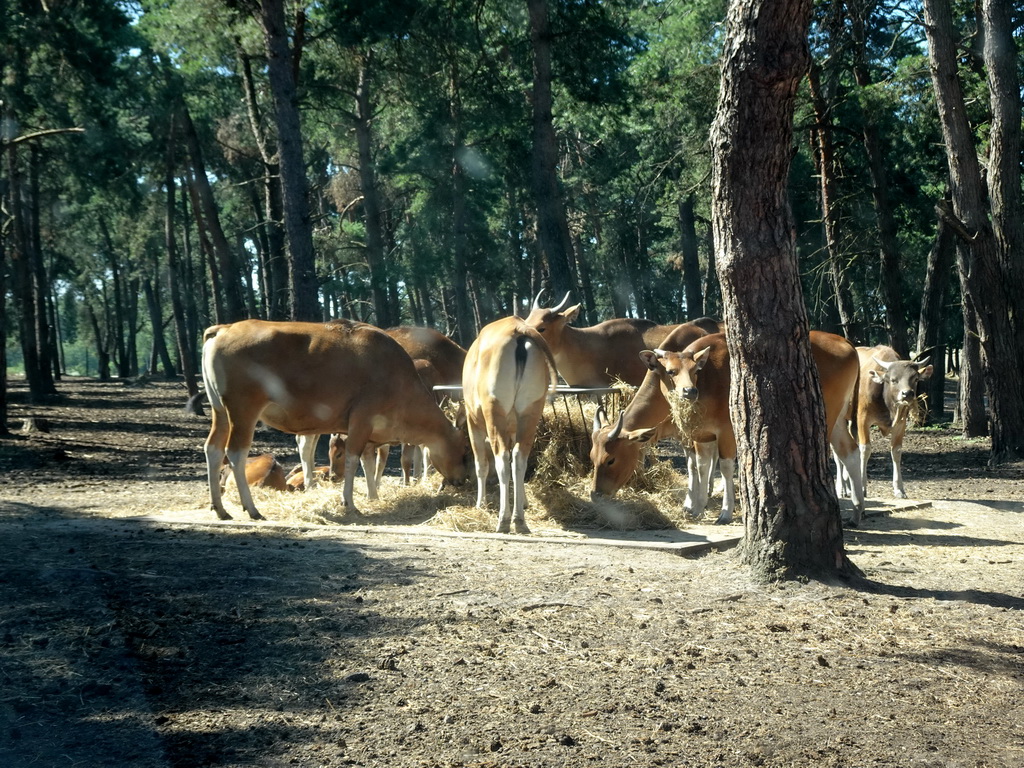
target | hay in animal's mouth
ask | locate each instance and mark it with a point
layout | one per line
(687, 415)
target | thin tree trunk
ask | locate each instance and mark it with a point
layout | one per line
(160, 353)
(175, 279)
(227, 263)
(693, 295)
(891, 288)
(552, 226)
(971, 390)
(989, 282)
(824, 157)
(294, 184)
(375, 259)
(790, 509)
(929, 326)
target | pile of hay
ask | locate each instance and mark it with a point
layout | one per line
(557, 489)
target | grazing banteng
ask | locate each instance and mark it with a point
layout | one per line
(616, 447)
(260, 471)
(888, 391)
(700, 374)
(313, 378)
(598, 355)
(508, 375)
(439, 361)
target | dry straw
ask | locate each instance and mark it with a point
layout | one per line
(558, 490)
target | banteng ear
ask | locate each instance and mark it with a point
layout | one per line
(570, 313)
(650, 359)
(877, 376)
(701, 358)
(926, 372)
(640, 435)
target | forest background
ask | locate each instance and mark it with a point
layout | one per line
(171, 165)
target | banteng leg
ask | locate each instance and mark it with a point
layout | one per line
(482, 459)
(307, 455)
(844, 448)
(727, 468)
(237, 452)
(215, 445)
(697, 494)
(503, 466)
(896, 451)
(519, 457)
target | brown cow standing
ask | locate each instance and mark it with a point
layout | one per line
(314, 378)
(598, 355)
(509, 373)
(701, 373)
(616, 447)
(888, 389)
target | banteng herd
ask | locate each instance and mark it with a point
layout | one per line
(369, 389)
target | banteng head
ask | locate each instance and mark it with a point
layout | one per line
(899, 378)
(550, 322)
(679, 371)
(615, 453)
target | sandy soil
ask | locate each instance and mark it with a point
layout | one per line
(157, 643)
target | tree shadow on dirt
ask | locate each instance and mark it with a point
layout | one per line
(976, 596)
(113, 632)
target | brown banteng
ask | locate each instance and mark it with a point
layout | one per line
(598, 355)
(262, 471)
(508, 375)
(700, 375)
(444, 355)
(616, 447)
(439, 361)
(314, 378)
(888, 393)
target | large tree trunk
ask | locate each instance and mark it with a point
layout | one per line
(824, 156)
(552, 226)
(929, 326)
(294, 184)
(790, 508)
(989, 278)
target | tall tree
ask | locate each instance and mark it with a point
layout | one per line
(791, 511)
(552, 225)
(991, 268)
(282, 71)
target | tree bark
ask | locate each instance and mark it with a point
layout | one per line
(929, 326)
(375, 258)
(891, 288)
(229, 286)
(175, 278)
(791, 512)
(988, 276)
(971, 390)
(824, 156)
(552, 225)
(692, 293)
(304, 298)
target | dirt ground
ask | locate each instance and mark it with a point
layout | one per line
(128, 642)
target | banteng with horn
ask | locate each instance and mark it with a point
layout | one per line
(509, 373)
(598, 355)
(888, 394)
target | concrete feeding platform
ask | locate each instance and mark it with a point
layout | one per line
(693, 540)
